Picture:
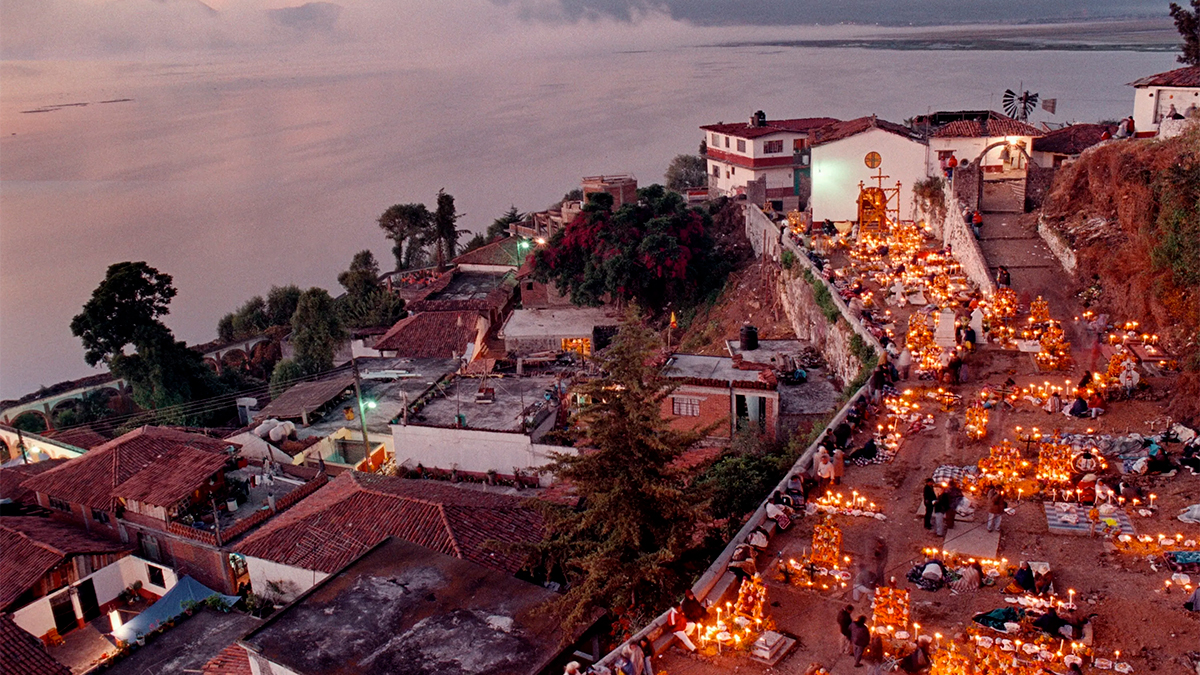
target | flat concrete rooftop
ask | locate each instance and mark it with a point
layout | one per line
(471, 286)
(402, 608)
(513, 394)
(385, 382)
(556, 322)
(708, 368)
(769, 351)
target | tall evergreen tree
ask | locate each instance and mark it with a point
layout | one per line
(409, 226)
(621, 549)
(445, 228)
(1188, 24)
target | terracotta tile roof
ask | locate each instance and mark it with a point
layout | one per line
(1180, 77)
(744, 130)
(11, 478)
(358, 510)
(505, 252)
(24, 654)
(80, 437)
(839, 130)
(1072, 140)
(172, 477)
(33, 546)
(305, 397)
(993, 126)
(431, 335)
(90, 480)
(233, 660)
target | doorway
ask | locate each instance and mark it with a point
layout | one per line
(64, 613)
(87, 600)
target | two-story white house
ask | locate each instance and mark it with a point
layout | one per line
(839, 165)
(1157, 94)
(775, 150)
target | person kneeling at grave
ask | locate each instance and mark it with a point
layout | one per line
(918, 661)
(741, 563)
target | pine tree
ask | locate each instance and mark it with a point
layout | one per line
(620, 549)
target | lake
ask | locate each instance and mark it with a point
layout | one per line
(237, 170)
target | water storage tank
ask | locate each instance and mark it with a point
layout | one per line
(749, 337)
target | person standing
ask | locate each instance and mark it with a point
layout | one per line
(860, 637)
(824, 475)
(977, 224)
(1003, 278)
(929, 497)
(956, 497)
(844, 619)
(940, 508)
(904, 362)
(996, 506)
(839, 466)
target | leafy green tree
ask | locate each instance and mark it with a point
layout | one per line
(621, 549)
(30, 422)
(124, 311)
(287, 372)
(367, 302)
(445, 232)
(89, 408)
(281, 304)
(499, 226)
(478, 241)
(1188, 24)
(687, 171)
(317, 331)
(410, 227)
(654, 252)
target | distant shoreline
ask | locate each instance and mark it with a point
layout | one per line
(1129, 35)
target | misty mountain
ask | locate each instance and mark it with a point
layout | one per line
(312, 16)
(807, 12)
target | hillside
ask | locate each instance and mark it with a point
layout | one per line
(1130, 210)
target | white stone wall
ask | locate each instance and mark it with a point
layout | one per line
(839, 167)
(474, 450)
(292, 580)
(764, 235)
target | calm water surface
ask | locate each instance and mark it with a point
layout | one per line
(237, 173)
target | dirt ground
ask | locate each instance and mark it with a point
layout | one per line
(1149, 627)
(750, 295)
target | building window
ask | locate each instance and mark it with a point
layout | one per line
(716, 171)
(727, 141)
(716, 140)
(733, 170)
(799, 144)
(148, 546)
(529, 285)
(99, 516)
(685, 407)
(155, 575)
(772, 147)
(60, 505)
(741, 145)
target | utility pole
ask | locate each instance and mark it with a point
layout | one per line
(21, 446)
(362, 418)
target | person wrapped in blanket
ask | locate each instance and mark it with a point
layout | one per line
(930, 575)
(1027, 581)
(779, 509)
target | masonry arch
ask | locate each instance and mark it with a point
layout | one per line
(32, 418)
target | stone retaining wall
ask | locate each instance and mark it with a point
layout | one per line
(1058, 246)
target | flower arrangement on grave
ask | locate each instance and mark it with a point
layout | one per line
(1055, 463)
(1004, 466)
(854, 505)
(1055, 353)
(1039, 310)
(752, 594)
(826, 545)
(976, 422)
(890, 608)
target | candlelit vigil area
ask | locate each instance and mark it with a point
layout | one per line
(1074, 544)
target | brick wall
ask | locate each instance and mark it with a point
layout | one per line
(714, 409)
(1037, 184)
(966, 186)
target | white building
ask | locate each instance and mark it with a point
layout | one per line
(999, 143)
(1155, 95)
(839, 154)
(777, 150)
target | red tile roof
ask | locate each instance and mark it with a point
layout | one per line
(839, 130)
(233, 660)
(33, 546)
(305, 397)
(90, 479)
(504, 252)
(24, 654)
(1072, 140)
(358, 510)
(431, 335)
(1180, 77)
(11, 478)
(80, 437)
(172, 478)
(994, 126)
(743, 130)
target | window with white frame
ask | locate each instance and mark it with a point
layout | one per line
(741, 145)
(772, 147)
(685, 406)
